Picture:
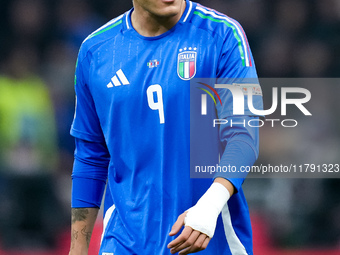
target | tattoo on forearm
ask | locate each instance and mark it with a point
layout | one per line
(87, 235)
(82, 225)
(79, 214)
(74, 237)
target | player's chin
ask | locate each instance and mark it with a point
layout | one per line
(167, 12)
(169, 8)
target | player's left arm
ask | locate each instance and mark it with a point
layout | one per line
(235, 65)
(241, 149)
(192, 240)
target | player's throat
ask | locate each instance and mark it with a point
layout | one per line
(150, 24)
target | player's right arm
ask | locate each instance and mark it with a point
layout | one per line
(83, 220)
(88, 184)
(91, 161)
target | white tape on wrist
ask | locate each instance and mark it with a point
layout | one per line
(203, 216)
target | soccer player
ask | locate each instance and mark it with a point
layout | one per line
(131, 128)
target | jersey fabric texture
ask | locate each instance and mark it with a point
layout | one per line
(132, 127)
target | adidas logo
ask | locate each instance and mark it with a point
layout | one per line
(118, 79)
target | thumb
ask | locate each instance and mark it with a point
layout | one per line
(178, 224)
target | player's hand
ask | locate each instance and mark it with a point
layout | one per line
(189, 241)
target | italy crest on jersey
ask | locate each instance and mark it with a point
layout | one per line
(186, 63)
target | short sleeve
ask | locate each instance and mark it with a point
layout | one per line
(236, 67)
(86, 123)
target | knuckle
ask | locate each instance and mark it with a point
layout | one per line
(189, 242)
(183, 238)
(196, 247)
(186, 235)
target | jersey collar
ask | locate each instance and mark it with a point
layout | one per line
(189, 9)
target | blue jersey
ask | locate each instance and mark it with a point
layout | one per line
(133, 96)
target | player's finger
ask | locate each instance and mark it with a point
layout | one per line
(178, 224)
(205, 243)
(188, 243)
(197, 246)
(181, 238)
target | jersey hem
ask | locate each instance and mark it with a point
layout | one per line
(85, 136)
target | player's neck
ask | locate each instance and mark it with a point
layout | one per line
(150, 25)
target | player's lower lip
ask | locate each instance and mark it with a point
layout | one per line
(168, 1)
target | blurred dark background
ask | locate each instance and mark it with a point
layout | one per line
(39, 43)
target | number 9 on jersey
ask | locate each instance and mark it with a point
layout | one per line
(155, 92)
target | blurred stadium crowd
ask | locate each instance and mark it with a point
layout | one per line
(39, 43)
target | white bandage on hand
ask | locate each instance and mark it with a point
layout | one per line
(203, 216)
